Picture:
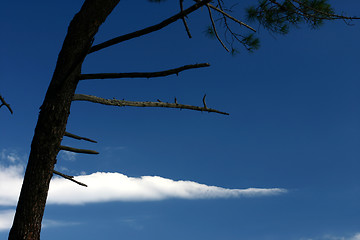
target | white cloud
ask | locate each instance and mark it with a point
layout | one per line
(11, 155)
(10, 184)
(6, 218)
(54, 223)
(105, 187)
(356, 236)
(67, 156)
(132, 223)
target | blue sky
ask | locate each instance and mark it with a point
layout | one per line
(293, 130)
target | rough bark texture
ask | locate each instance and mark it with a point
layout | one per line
(53, 117)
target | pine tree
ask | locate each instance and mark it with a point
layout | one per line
(276, 16)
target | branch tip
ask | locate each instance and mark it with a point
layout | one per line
(71, 178)
(77, 150)
(67, 134)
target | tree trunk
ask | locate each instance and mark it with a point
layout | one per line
(53, 116)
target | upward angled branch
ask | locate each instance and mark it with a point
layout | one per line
(143, 74)
(123, 103)
(150, 29)
(4, 103)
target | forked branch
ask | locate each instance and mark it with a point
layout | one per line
(225, 14)
(4, 103)
(214, 28)
(142, 74)
(183, 19)
(150, 29)
(71, 178)
(123, 103)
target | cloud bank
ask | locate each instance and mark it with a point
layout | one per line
(105, 187)
(108, 186)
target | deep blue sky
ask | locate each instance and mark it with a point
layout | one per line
(293, 124)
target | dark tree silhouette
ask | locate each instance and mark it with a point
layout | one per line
(276, 16)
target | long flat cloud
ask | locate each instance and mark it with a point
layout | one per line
(106, 187)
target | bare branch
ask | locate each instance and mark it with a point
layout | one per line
(71, 178)
(183, 19)
(77, 150)
(67, 134)
(231, 17)
(214, 28)
(142, 74)
(123, 103)
(150, 29)
(4, 103)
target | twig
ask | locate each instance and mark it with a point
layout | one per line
(231, 17)
(4, 103)
(204, 101)
(77, 150)
(150, 29)
(71, 178)
(142, 74)
(123, 103)
(67, 134)
(214, 28)
(183, 19)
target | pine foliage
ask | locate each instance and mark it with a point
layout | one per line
(280, 16)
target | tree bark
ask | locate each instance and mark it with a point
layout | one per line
(53, 116)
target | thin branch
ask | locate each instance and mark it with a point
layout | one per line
(123, 103)
(231, 17)
(142, 74)
(183, 19)
(332, 16)
(204, 102)
(4, 103)
(150, 29)
(71, 178)
(77, 150)
(214, 28)
(67, 134)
